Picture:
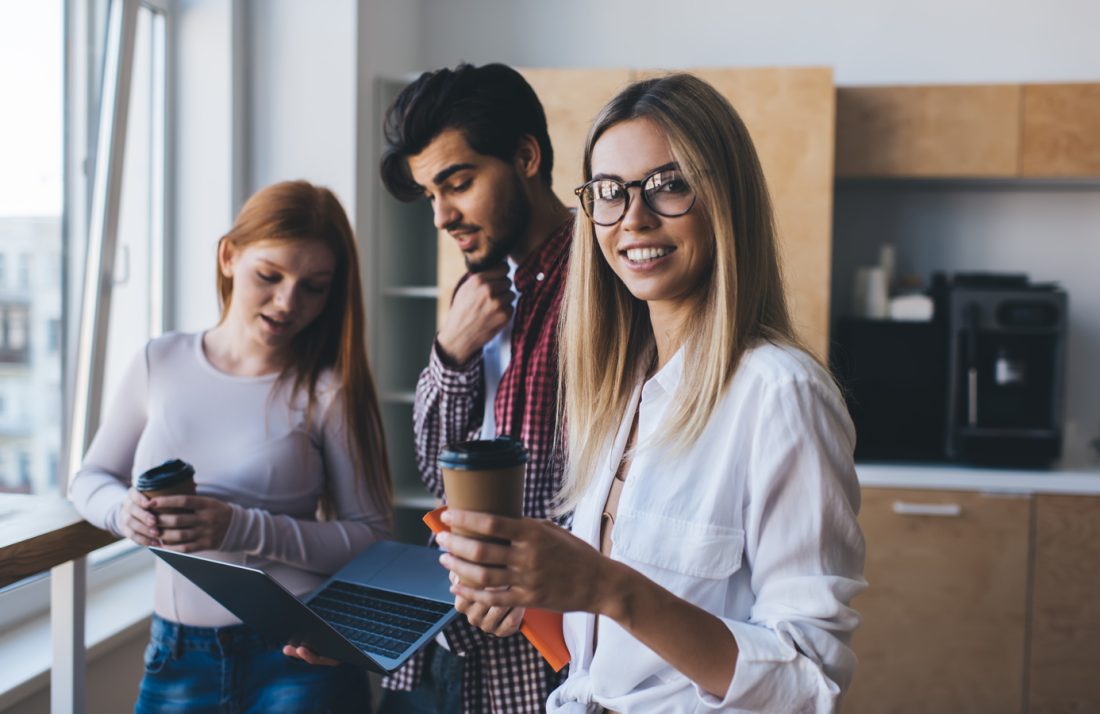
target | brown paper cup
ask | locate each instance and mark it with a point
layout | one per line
(484, 476)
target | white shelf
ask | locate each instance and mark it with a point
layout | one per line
(417, 500)
(412, 291)
(399, 397)
(955, 477)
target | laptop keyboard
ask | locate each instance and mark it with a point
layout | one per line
(377, 621)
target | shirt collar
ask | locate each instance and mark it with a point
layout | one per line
(668, 378)
(540, 264)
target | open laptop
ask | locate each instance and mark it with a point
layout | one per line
(375, 612)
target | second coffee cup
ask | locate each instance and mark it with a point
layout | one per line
(486, 476)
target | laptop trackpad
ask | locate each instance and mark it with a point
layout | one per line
(410, 569)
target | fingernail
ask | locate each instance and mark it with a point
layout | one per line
(443, 539)
(445, 516)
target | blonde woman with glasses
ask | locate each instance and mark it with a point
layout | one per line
(714, 547)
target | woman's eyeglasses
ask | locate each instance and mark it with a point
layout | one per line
(665, 192)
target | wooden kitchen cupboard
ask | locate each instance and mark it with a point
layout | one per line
(984, 131)
(944, 618)
(963, 131)
(1060, 131)
(1064, 661)
(790, 115)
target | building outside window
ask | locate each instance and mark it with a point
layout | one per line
(31, 141)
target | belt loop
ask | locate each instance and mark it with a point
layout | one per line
(177, 640)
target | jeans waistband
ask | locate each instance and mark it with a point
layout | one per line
(179, 637)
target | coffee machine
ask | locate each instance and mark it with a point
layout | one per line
(1006, 342)
(981, 383)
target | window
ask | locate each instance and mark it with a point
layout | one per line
(24, 280)
(31, 141)
(53, 336)
(48, 216)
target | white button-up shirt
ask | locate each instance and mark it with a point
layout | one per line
(755, 523)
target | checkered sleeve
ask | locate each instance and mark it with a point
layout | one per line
(449, 407)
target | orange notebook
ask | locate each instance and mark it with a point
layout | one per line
(542, 628)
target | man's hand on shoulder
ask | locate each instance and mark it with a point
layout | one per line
(481, 308)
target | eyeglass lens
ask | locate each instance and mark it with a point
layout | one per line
(666, 193)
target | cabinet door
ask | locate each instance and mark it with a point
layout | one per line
(1061, 130)
(944, 615)
(1065, 624)
(790, 114)
(932, 131)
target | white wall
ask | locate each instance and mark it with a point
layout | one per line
(202, 167)
(301, 71)
(865, 41)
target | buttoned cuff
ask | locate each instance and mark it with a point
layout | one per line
(451, 378)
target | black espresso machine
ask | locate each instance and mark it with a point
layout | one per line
(983, 383)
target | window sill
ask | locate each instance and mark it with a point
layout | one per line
(117, 610)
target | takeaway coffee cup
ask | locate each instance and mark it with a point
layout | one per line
(172, 478)
(484, 475)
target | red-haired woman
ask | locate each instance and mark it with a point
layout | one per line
(276, 410)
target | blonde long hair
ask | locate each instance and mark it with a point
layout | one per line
(606, 338)
(336, 339)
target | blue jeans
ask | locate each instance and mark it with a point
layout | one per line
(232, 670)
(439, 691)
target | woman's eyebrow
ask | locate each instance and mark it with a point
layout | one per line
(662, 167)
(317, 274)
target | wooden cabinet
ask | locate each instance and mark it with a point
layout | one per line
(969, 131)
(944, 616)
(1061, 130)
(1064, 671)
(790, 115)
(978, 603)
(939, 131)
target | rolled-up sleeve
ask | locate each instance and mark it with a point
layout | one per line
(805, 552)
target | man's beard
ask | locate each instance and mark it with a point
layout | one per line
(512, 227)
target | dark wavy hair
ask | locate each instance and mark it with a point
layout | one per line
(492, 105)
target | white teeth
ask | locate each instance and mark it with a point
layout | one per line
(638, 255)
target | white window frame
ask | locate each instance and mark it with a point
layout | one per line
(92, 189)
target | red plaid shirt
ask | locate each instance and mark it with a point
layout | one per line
(501, 674)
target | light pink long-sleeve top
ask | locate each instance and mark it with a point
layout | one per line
(250, 447)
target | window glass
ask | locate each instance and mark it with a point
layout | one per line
(31, 83)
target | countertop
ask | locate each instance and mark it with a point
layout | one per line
(1083, 481)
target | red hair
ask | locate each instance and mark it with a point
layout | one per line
(335, 339)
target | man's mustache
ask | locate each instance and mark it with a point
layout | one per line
(461, 227)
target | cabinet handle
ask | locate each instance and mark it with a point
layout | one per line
(938, 510)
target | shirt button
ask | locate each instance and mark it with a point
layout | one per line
(540, 277)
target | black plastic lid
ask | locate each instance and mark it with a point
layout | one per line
(499, 453)
(167, 474)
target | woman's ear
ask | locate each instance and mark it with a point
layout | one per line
(528, 159)
(227, 258)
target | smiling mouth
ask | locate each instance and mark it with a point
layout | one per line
(647, 255)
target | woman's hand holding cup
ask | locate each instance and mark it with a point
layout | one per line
(192, 523)
(164, 510)
(544, 565)
(138, 522)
